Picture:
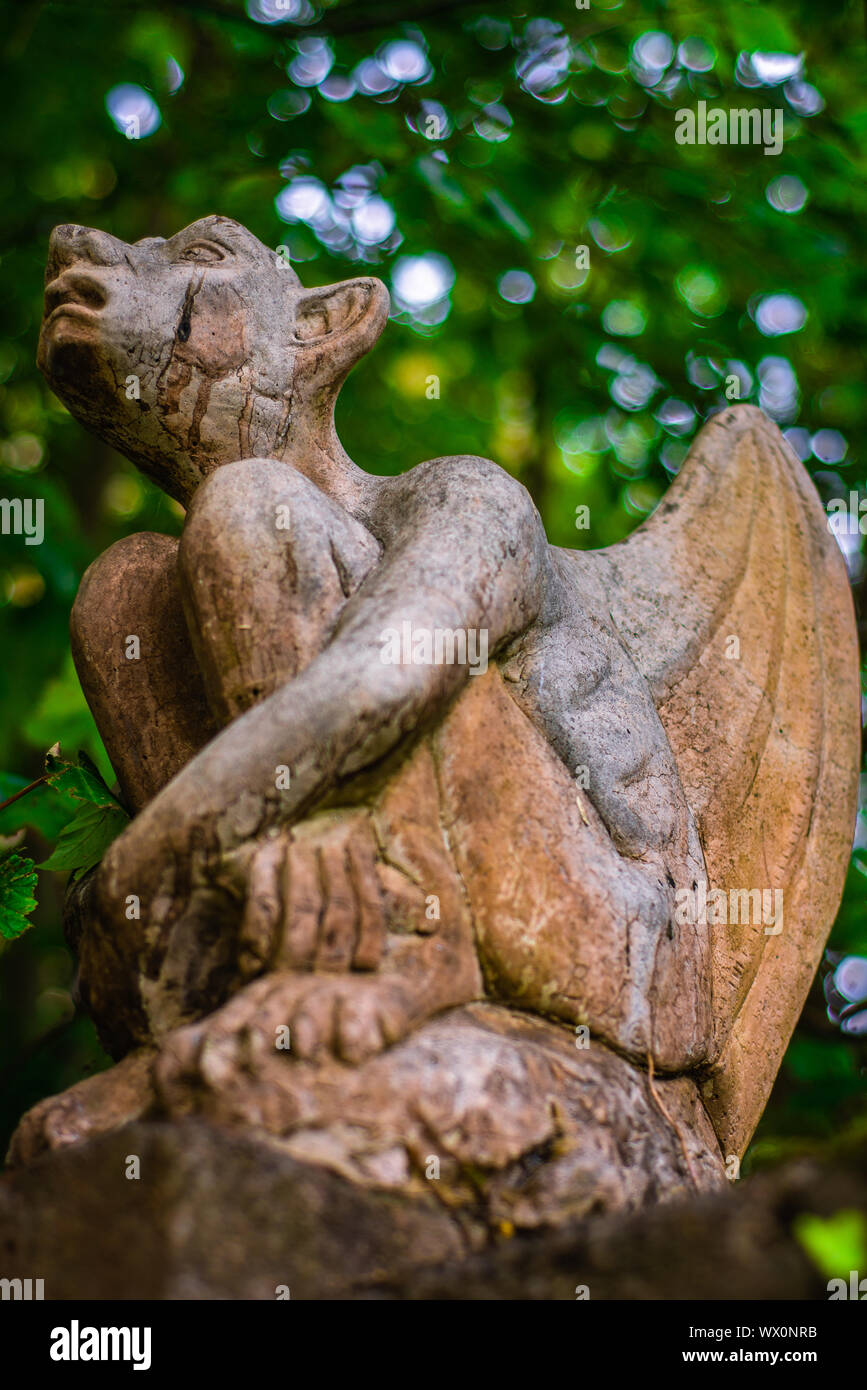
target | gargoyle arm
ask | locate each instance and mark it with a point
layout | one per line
(469, 552)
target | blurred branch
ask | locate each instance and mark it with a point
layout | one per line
(335, 22)
(338, 20)
(214, 8)
(349, 24)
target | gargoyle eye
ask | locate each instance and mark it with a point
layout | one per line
(202, 251)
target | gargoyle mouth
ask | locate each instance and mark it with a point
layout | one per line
(75, 294)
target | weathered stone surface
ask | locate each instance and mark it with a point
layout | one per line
(739, 1245)
(154, 727)
(495, 1110)
(213, 1215)
(505, 831)
(219, 1214)
(767, 744)
(97, 1105)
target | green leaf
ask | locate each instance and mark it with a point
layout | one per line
(837, 1244)
(81, 780)
(95, 823)
(85, 839)
(17, 886)
(49, 807)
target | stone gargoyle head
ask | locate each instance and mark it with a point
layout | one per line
(192, 351)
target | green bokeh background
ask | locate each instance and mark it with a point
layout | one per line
(557, 131)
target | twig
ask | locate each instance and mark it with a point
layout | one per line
(23, 792)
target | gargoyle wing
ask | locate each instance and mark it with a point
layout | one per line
(734, 602)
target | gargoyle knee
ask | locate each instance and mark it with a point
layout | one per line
(267, 562)
(134, 660)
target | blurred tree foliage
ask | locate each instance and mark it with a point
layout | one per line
(463, 152)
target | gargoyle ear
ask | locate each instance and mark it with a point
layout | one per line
(346, 318)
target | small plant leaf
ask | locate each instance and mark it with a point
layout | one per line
(836, 1244)
(80, 780)
(98, 819)
(17, 886)
(84, 840)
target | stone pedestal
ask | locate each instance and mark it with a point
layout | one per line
(216, 1215)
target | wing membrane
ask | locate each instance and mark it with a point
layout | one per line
(734, 601)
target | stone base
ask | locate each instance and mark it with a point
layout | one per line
(489, 1110)
(230, 1173)
(220, 1215)
(213, 1215)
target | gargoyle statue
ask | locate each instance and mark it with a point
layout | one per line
(448, 843)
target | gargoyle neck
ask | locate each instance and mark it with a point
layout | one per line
(317, 452)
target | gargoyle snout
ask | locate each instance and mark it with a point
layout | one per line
(70, 244)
